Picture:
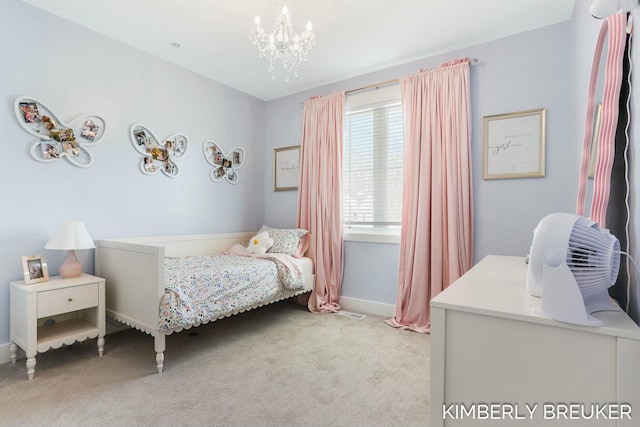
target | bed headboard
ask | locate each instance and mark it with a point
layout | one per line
(195, 244)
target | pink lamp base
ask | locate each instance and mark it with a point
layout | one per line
(71, 266)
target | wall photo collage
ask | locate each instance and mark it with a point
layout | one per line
(158, 156)
(225, 166)
(56, 140)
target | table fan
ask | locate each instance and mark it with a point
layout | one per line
(572, 264)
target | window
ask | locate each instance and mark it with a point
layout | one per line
(372, 172)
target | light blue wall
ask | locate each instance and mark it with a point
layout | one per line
(546, 68)
(73, 71)
(526, 71)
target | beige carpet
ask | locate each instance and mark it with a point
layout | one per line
(274, 366)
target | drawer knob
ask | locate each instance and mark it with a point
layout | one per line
(69, 299)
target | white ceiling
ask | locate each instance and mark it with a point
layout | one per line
(353, 37)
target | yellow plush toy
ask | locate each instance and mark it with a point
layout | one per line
(260, 243)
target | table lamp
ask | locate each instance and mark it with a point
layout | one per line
(71, 235)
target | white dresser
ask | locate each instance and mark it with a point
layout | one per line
(496, 363)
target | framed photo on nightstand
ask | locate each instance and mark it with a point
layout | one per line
(35, 269)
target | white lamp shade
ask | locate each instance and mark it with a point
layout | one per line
(71, 235)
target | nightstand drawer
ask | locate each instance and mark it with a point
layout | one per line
(68, 299)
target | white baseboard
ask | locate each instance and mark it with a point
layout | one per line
(114, 326)
(5, 355)
(356, 305)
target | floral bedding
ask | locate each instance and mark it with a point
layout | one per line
(203, 288)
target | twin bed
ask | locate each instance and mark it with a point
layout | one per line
(162, 285)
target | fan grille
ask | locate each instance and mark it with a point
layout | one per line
(593, 257)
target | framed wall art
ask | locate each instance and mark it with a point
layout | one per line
(35, 269)
(286, 168)
(514, 145)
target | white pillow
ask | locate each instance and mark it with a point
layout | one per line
(260, 243)
(286, 240)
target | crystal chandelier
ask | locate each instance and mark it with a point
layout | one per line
(282, 44)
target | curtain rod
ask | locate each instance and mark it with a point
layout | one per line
(388, 82)
(377, 85)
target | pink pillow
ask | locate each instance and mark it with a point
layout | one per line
(236, 249)
(303, 245)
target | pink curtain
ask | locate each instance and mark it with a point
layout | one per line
(613, 32)
(436, 242)
(320, 195)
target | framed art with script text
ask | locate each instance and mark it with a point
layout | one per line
(286, 168)
(514, 145)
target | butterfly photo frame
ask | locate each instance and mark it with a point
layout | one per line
(57, 139)
(225, 166)
(158, 156)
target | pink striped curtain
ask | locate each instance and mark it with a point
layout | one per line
(436, 242)
(614, 30)
(320, 195)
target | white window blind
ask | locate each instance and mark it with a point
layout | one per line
(372, 173)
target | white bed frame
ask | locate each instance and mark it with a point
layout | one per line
(134, 273)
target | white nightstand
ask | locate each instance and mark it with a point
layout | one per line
(61, 311)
